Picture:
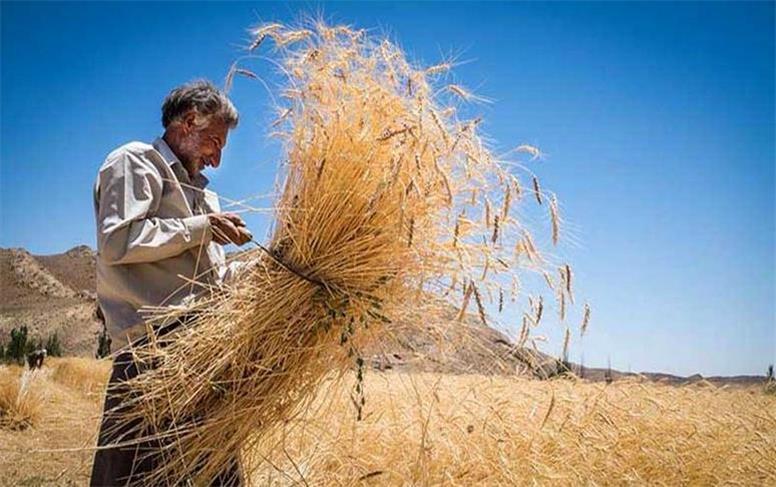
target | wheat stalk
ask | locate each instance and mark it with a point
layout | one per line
(585, 320)
(555, 219)
(537, 190)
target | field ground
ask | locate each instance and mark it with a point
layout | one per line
(68, 393)
(435, 429)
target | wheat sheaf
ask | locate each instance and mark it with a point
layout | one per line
(381, 219)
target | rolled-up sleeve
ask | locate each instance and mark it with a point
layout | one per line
(129, 189)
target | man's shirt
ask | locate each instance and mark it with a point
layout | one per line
(153, 234)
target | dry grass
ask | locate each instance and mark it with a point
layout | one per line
(57, 449)
(21, 398)
(432, 429)
(479, 430)
(86, 375)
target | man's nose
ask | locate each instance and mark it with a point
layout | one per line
(216, 159)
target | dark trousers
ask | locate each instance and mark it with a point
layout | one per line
(129, 465)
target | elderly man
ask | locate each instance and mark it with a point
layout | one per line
(156, 222)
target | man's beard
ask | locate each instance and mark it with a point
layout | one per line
(189, 154)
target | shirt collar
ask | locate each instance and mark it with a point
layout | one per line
(177, 166)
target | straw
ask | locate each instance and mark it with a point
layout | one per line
(370, 224)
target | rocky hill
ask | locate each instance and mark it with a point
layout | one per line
(57, 293)
(50, 294)
(74, 268)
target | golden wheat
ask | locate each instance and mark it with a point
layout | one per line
(362, 237)
(424, 429)
(21, 399)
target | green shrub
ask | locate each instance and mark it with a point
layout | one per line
(54, 346)
(19, 346)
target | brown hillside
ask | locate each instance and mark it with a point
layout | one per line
(447, 345)
(57, 293)
(74, 268)
(47, 294)
(26, 282)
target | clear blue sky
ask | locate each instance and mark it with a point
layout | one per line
(658, 120)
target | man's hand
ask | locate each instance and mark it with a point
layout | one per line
(229, 228)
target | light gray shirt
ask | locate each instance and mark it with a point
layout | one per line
(153, 234)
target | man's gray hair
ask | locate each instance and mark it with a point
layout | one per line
(204, 98)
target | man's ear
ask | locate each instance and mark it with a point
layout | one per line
(189, 121)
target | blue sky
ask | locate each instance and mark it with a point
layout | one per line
(657, 118)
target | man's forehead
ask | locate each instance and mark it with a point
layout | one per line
(217, 127)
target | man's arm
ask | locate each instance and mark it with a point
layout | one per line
(130, 189)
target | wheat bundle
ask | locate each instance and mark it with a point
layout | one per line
(390, 203)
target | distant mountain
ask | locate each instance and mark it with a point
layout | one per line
(48, 294)
(57, 293)
(600, 375)
(75, 268)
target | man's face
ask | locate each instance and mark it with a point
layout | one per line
(201, 146)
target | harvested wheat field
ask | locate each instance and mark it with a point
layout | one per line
(436, 429)
(48, 425)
